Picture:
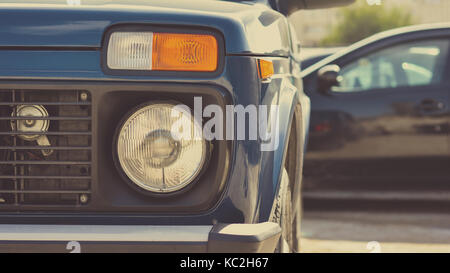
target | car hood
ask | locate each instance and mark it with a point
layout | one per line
(63, 23)
(130, 5)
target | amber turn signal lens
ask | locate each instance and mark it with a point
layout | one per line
(265, 69)
(184, 52)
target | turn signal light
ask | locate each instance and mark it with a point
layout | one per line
(184, 52)
(265, 68)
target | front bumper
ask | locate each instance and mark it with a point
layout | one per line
(240, 238)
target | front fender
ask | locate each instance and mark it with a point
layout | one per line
(272, 165)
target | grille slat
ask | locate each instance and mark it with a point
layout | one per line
(44, 192)
(46, 118)
(46, 133)
(45, 103)
(45, 162)
(42, 177)
(45, 168)
(44, 148)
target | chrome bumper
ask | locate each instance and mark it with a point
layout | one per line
(261, 237)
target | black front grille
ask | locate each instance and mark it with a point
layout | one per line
(45, 158)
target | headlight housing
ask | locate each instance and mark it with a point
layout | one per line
(149, 154)
(160, 51)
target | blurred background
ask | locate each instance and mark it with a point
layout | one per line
(397, 223)
(344, 26)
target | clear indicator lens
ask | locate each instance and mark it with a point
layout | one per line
(151, 157)
(130, 50)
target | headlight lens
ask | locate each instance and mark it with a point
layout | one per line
(149, 154)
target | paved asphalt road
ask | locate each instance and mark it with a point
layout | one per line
(375, 231)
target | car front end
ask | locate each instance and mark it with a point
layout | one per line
(84, 141)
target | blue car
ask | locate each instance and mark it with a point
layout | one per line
(151, 126)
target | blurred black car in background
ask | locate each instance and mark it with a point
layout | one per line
(380, 116)
(311, 56)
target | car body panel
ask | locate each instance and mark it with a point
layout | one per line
(245, 183)
(60, 25)
(63, 46)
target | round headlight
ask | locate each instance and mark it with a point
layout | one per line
(150, 155)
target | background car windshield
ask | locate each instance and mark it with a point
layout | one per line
(410, 64)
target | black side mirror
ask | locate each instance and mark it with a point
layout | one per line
(327, 77)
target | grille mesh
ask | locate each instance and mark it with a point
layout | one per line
(56, 174)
